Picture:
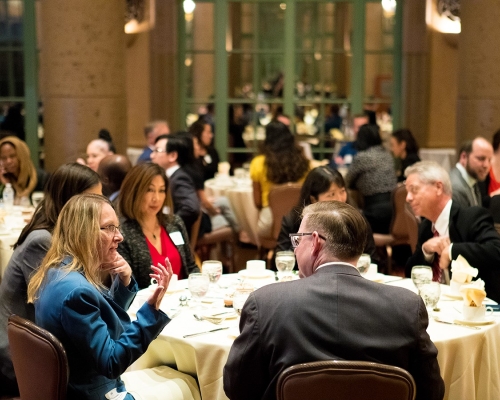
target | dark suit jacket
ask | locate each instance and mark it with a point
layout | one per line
(474, 237)
(135, 251)
(185, 198)
(333, 314)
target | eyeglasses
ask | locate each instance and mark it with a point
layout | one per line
(113, 229)
(296, 237)
(160, 150)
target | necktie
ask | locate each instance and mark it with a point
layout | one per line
(436, 271)
(477, 195)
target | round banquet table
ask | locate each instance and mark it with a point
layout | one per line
(240, 195)
(469, 359)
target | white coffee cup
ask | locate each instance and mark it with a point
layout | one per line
(471, 313)
(455, 287)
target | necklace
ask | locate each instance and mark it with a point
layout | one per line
(152, 231)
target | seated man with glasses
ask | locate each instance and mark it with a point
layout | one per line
(330, 313)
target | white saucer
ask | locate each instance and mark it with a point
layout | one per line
(257, 275)
(486, 321)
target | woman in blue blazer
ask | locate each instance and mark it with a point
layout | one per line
(90, 320)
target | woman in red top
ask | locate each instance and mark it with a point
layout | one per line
(151, 233)
(494, 181)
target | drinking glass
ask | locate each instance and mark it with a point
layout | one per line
(285, 261)
(198, 286)
(213, 269)
(240, 296)
(364, 263)
(421, 274)
(430, 293)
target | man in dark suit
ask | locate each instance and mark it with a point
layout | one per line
(472, 168)
(450, 230)
(330, 313)
(172, 153)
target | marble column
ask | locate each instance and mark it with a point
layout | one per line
(82, 54)
(478, 104)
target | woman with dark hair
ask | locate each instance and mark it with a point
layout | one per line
(372, 174)
(150, 235)
(17, 169)
(404, 148)
(321, 184)
(207, 155)
(29, 250)
(282, 160)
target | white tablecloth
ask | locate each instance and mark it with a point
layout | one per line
(11, 226)
(469, 359)
(240, 195)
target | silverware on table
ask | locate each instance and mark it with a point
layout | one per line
(457, 323)
(202, 333)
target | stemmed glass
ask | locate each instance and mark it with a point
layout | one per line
(213, 269)
(430, 293)
(198, 286)
(240, 296)
(421, 274)
(285, 261)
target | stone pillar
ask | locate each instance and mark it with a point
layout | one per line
(478, 104)
(82, 74)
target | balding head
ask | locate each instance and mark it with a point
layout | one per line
(112, 170)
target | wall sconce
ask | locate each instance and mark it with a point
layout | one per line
(189, 7)
(443, 15)
(389, 7)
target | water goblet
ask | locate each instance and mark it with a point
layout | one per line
(240, 296)
(198, 286)
(285, 261)
(430, 293)
(421, 274)
(213, 269)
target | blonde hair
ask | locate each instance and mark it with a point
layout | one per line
(26, 180)
(77, 235)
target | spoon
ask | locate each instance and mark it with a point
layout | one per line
(213, 320)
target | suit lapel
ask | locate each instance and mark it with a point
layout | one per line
(452, 228)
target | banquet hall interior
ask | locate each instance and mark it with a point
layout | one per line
(69, 69)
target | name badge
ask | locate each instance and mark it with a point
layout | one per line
(177, 238)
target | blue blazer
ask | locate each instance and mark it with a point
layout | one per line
(100, 340)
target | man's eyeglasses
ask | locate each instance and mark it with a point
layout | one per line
(296, 237)
(113, 229)
(159, 150)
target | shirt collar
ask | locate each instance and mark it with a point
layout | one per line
(335, 262)
(467, 178)
(170, 170)
(442, 223)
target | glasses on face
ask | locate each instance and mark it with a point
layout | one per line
(160, 150)
(295, 238)
(113, 229)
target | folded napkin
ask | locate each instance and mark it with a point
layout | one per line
(461, 270)
(473, 293)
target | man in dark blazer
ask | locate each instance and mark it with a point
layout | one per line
(466, 231)
(172, 153)
(472, 168)
(330, 313)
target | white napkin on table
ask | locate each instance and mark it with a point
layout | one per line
(461, 270)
